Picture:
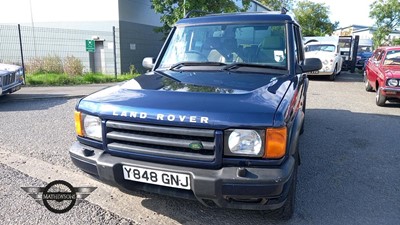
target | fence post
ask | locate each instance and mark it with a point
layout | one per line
(115, 53)
(22, 52)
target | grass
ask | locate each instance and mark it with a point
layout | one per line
(51, 79)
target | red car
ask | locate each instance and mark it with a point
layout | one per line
(382, 74)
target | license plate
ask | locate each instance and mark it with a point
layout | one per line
(157, 177)
(314, 72)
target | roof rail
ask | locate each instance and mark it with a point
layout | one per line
(195, 11)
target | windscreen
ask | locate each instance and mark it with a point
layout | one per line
(322, 47)
(228, 43)
(392, 57)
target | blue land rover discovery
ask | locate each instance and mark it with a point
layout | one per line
(217, 118)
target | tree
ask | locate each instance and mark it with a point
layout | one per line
(277, 4)
(386, 13)
(173, 10)
(396, 41)
(314, 19)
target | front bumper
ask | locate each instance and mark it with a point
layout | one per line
(327, 70)
(10, 89)
(228, 187)
(320, 74)
(391, 92)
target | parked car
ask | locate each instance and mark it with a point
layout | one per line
(364, 52)
(11, 78)
(382, 74)
(328, 51)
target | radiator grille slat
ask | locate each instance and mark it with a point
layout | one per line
(153, 151)
(8, 79)
(145, 139)
(154, 140)
(160, 129)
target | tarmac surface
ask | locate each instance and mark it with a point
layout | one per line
(349, 171)
(40, 92)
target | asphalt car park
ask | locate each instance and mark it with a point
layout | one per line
(348, 173)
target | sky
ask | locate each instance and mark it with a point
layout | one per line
(349, 12)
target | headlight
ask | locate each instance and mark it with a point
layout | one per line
(325, 62)
(244, 142)
(18, 72)
(88, 126)
(392, 82)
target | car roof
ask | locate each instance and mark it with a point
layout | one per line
(256, 17)
(388, 48)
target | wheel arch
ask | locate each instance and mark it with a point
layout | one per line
(294, 134)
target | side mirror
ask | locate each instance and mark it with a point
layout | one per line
(148, 63)
(311, 64)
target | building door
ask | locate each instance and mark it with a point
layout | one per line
(99, 58)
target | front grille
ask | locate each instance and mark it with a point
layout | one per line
(8, 79)
(154, 140)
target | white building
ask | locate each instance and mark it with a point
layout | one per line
(364, 32)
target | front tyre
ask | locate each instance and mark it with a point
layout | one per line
(304, 112)
(287, 210)
(380, 99)
(333, 75)
(368, 86)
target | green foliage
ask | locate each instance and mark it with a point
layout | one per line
(173, 10)
(73, 66)
(386, 13)
(314, 18)
(51, 79)
(132, 69)
(396, 41)
(276, 5)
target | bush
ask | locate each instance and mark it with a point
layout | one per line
(48, 64)
(73, 66)
(52, 64)
(34, 66)
(132, 69)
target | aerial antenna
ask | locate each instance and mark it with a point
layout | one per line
(284, 10)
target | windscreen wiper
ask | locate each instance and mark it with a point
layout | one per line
(181, 64)
(238, 65)
(166, 75)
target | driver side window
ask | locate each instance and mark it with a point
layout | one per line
(378, 55)
(298, 50)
